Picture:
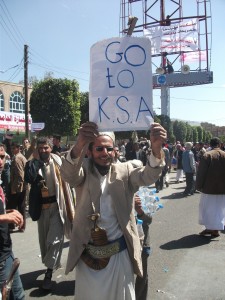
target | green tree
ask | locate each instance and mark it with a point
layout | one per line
(167, 124)
(200, 133)
(204, 135)
(195, 134)
(84, 107)
(189, 135)
(180, 131)
(208, 136)
(56, 102)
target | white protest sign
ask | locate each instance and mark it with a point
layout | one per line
(120, 96)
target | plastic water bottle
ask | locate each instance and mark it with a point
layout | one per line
(140, 231)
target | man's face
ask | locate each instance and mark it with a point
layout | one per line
(15, 150)
(56, 142)
(26, 143)
(2, 159)
(102, 151)
(44, 151)
(116, 152)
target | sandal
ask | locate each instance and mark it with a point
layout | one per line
(206, 232)
(213, 233)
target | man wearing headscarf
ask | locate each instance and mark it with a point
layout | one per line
(104, 242)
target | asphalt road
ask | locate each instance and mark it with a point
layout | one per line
(183, 265)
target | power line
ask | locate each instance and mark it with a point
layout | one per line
(14, 41)
(53, 66)
(8, 69)
(12, 23)
(54, 70)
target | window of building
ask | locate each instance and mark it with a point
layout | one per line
(17, 103)
(1, 102)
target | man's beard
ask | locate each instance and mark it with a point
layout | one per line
(44, 156)
(103, 170)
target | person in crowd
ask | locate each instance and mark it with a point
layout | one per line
(55, 205)
(189, 167)
(159, 184)
(57, 149)
(6, 254)
(17, 184)
(117, 156)
(123, 149)
(167, 167)
(138, 153)
(201, 151)
(8, 142)
(195, 149)
(129, 149)
(178, 153)
(170, 147)
(105, 213)
(210, 182)
(29, 147)
(141, 283)
(5, 175)
(27, 150)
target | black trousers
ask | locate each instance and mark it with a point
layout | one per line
(17, 201)
(190, 184)
(141, 284)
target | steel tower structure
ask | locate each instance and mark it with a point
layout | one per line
(181, 42)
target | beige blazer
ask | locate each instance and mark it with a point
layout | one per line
(123, 182)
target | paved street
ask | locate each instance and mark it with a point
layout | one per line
(183, 265)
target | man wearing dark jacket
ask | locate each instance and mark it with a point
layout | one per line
(210, 182)
(6, 255)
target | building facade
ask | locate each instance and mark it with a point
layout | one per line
(12, 107)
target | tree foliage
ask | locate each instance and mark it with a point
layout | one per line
(167, 124)
(195, 134)
(189, 136)
(200, 133)
(56, 102)
(180, 130)
(84, 107)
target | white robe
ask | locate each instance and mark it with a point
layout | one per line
(116, 280)
(212, 211)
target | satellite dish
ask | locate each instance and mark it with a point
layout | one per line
(160, 71)
(185, 69)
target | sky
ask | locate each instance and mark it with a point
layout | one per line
(60, 33)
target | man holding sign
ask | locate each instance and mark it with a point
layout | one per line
(104, 246)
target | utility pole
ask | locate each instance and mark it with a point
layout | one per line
(165, 90)
(26, 91)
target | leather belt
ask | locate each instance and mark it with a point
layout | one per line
(51, 199)
(108, 250)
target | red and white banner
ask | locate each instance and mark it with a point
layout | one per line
(179, 36)
(193, 56)
(13, 121)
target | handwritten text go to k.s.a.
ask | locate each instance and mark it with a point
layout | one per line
(122, 96)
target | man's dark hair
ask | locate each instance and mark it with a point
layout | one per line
(215, 142)
(15, 144)
(44, 140)
(3, 146)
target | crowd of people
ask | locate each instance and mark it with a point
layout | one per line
(57, 184)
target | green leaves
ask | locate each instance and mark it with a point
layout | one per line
(56, 102)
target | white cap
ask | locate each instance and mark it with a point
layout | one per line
(108, 133)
